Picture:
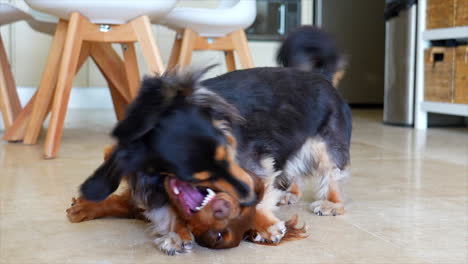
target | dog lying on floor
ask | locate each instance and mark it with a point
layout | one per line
(209, 161)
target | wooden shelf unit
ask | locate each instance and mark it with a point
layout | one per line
(423, 39)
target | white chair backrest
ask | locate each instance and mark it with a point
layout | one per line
(246, 9)
(105, 11)
(227, 3)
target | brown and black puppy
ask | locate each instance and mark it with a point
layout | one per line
(208, 211)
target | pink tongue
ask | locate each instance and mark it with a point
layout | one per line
(192, 197)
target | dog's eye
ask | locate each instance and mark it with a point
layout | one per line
(219, 236)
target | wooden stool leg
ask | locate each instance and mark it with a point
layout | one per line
(10, 105)
(46, 88)
(175, 52)
(242, 48)
(142, 28)
(66, 74)
(186, 47)
(131, 68)
(230, 61)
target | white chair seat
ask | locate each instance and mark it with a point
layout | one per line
(10, 14)
(105, 11)
(215, 22)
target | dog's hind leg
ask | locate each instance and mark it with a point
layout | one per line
(314, 162)
(329, 194)
(113, 206)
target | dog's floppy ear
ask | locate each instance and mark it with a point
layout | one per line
(143, 111)
(103, 182)
(216, 105)
(155, 95)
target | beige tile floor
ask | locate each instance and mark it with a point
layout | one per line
(407, 203)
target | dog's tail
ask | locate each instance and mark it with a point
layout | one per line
(312, 49)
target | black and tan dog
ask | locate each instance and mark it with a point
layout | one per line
(211, 160)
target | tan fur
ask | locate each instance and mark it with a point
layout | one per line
(108, 151)
(337, 77)
(114, 206)
(203, 175)
(264, 219)
(220, 153)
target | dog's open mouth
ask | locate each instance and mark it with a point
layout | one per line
(191, 198)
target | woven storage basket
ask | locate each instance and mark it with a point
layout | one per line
(461, 13)
(439, 70)
(440, 13)
(461, 75)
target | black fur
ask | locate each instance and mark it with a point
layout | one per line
(105, 180)
(311, 49)
(282, 108)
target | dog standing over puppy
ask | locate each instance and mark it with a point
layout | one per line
(209, 161)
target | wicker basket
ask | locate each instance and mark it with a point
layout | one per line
(439, 70)
(461, 75)
(440, 13)
(461, 13)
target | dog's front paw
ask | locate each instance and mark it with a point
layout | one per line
(288, 198)
(81, 210)
(325, 208)
(172, 244)
(273, 234)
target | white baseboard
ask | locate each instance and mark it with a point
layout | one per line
(80, 98)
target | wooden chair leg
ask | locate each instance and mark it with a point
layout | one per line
(68, 65)
(242, 48)
(10, 105)
(112, 67)
(113, 70)
(17, 130)
(131, 68)
(175, 52)
(186, 47)
(46, 88)
(230, 61)
(119, 102)
(142, 28)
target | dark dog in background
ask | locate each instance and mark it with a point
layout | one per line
(211, 160)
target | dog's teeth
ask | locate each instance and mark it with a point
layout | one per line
(175, 190)
(207, 199)
(210, 192)
(198, 208)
